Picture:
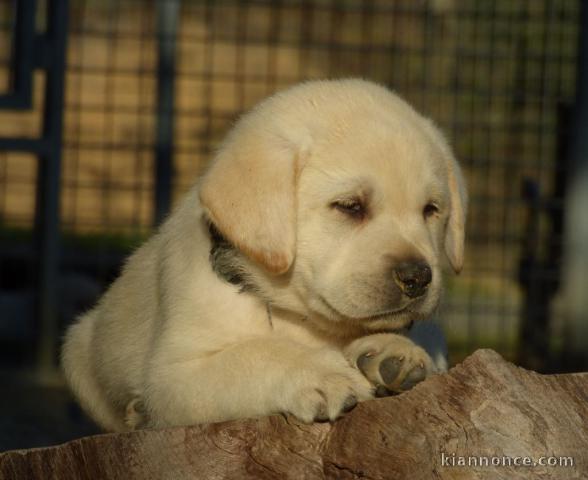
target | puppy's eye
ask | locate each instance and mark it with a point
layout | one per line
(430, 209)
(352, 207)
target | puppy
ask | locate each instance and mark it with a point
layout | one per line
(284, 279)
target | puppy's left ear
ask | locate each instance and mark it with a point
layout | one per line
(458, 198)
(455, 230)
(249, 195)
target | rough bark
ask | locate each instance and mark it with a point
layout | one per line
(482, 407)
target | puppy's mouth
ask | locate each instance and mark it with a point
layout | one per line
(400, 317)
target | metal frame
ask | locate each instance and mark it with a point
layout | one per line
(168, 17)
(575, 271)
(22, 58)
(49, 54)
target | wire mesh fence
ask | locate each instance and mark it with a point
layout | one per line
(497, 76)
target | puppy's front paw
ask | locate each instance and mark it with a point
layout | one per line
(392, 363)
(324, 388)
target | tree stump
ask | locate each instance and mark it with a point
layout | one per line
(473, 422)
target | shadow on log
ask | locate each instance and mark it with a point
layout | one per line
(483, 411)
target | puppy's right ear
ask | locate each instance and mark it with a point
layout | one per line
(249, 195)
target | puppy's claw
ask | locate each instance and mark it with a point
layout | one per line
(321, 414)
(350, 403)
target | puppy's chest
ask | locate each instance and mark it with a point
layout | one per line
(302, 331)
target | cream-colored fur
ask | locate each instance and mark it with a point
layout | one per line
(172, 343)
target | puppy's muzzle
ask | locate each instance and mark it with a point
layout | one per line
(413, 277)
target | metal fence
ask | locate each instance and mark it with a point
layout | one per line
(151, 87)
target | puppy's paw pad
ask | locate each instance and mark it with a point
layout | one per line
(390, 367)
(383, 391)
(393, 374)
(364, 359)
(414, 376)
(398, 374)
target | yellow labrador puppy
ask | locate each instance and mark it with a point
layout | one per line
(284, 280)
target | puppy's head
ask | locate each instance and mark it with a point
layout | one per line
(339, 201)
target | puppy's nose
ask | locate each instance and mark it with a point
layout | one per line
(413, 277)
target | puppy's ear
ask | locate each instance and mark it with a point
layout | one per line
(455, 232)
(458, 197)
(249, 195)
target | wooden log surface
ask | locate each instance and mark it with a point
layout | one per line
(484, 411)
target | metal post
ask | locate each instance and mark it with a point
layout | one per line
(575, 281)
(48, 183)
(167, 15)
(20, 95)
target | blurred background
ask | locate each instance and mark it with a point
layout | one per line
(109, 110)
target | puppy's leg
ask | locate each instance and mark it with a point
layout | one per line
(78, 366)
(392, 363)
(254, 378)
